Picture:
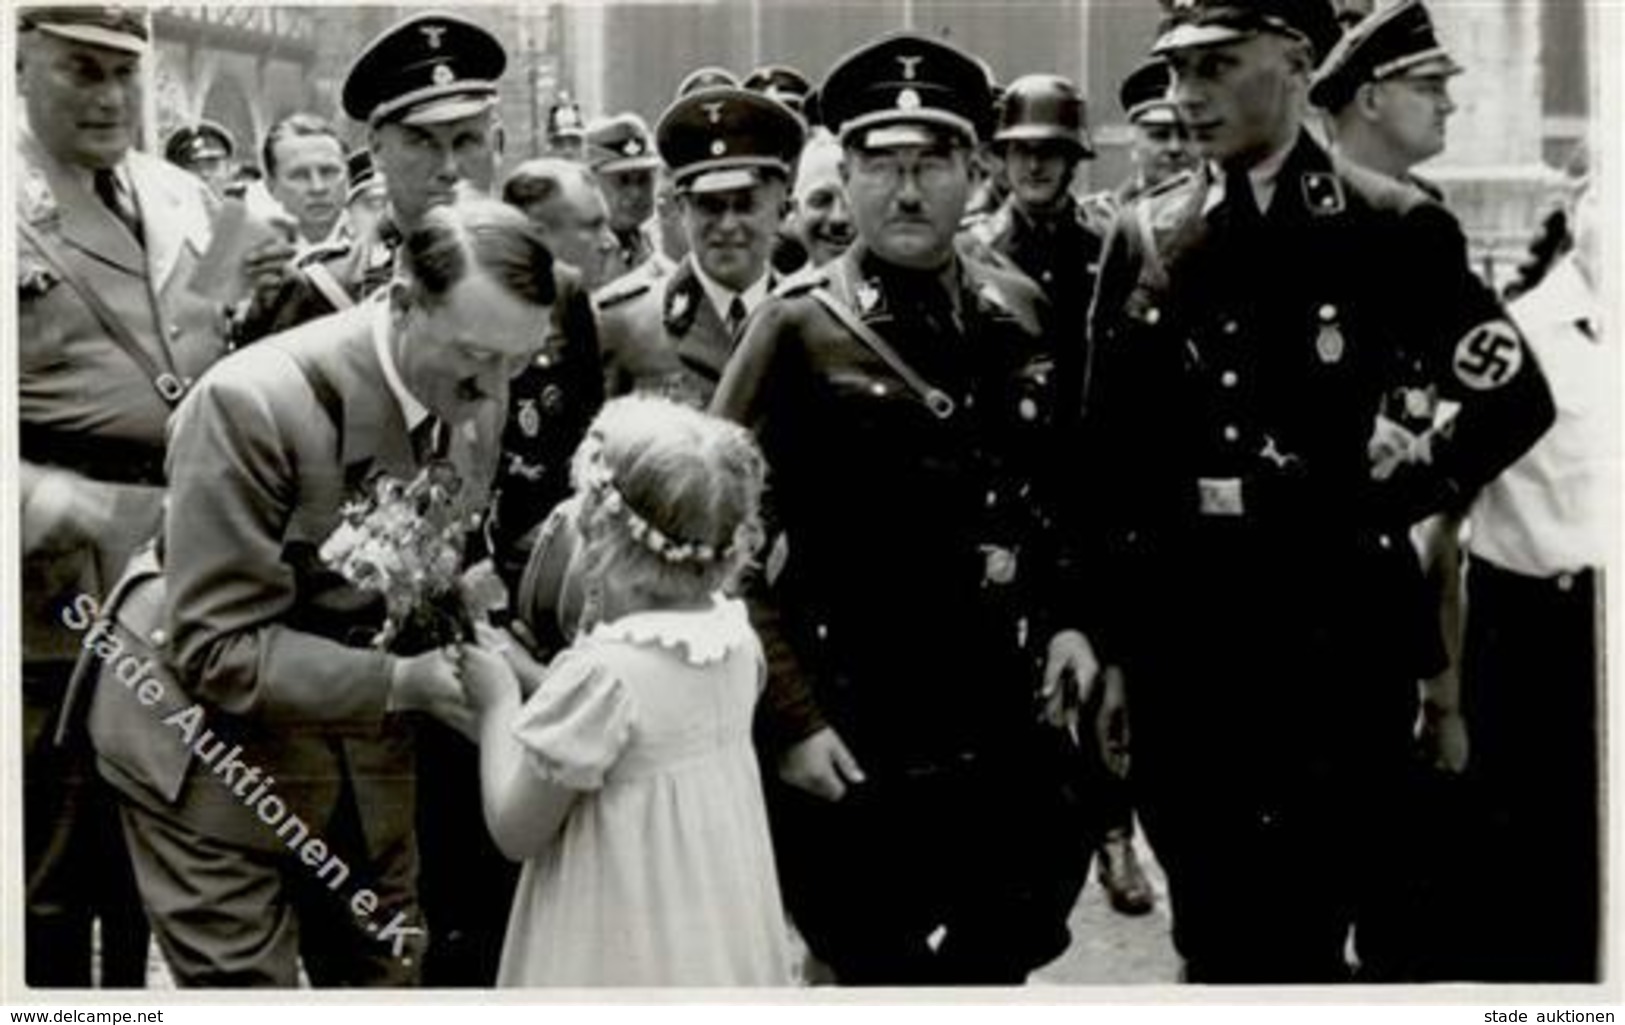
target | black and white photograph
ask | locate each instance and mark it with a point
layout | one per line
(798, 501)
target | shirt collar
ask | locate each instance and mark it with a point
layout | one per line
(82, 174)
(339, 232)
(412, 411)
(722, 296)
(1263, 176)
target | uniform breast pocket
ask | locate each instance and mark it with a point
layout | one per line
(865, 400)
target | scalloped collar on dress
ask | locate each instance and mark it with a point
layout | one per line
(700, 637)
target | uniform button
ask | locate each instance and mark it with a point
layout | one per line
(1028, 409)
(877, 389)
(1153, 315)
(174, 330)
(822, 631)
(1229, 378)
(1231, 433)
(1565, 582)
(1048, 277)
(1230, 327)
(1385, 541)
(992, 498)
(1328, 313)
(544, 360)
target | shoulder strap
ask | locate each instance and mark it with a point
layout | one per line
(329, 286)
(169, 385)
(938, 401)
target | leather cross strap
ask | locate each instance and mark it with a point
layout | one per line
(938, 401)
(329, 286)
(168, 384)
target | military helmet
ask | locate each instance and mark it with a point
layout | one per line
(1043, 107)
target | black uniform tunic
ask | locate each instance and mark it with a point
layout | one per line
(1255, 581)
(903, 606)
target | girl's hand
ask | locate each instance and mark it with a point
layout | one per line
(515, 653)
(485, 676)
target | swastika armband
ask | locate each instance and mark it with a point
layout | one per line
(1488, 356)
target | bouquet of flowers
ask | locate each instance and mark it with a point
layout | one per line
(406, 542)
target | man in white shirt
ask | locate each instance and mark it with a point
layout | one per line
(1530, 673)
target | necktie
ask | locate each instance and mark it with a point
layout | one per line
(1240, 199)
(112, 197)
(736, 316)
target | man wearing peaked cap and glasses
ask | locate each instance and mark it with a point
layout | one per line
(109, 337)
(906, 399)
(621, 154)
(730, 153)
(1271, 302)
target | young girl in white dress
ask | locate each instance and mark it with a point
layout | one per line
(626, 781)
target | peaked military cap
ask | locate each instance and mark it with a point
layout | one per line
(621, 143)
(114, 28)
(1395, 42)
(190, 143)
(1191, 23)
(906, 80)
(427, 69)
(708, 77)
(782, 82)
(724, 138)
(1043, 107)
(1144, 94)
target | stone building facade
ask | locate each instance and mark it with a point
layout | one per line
(1524, 101)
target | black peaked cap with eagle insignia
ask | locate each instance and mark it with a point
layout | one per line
(1395, 42)
(1193, 23)
(727, 137)
(427, 69)
(906, 79)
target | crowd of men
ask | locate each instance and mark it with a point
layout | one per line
(1086, 508)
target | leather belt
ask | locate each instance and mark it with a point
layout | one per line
(114, 460)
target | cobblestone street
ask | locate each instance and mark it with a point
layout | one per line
(1109, 949)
